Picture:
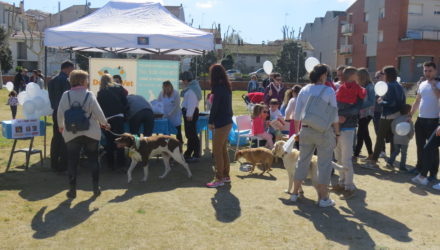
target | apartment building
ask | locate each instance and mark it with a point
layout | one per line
(403, 33)
(324, 34)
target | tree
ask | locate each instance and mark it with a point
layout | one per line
(228, 62)
(292, 57)
(200, 64)
(5, 52)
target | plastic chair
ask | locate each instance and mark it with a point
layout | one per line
(244, 123)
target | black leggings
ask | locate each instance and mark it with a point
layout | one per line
(90, 147)
(193, 142)
(363, 135)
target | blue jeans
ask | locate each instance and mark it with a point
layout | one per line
(398, 148)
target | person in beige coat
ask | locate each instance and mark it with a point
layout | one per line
(85, 139)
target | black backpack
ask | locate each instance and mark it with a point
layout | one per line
(75, 118)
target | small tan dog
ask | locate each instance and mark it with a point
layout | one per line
(257, 156)
(290, 160)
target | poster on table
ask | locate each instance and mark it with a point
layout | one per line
(141, 77)
(25, 128)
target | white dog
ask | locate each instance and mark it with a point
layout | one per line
(290, 160)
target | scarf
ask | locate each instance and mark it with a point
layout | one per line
(195, 87)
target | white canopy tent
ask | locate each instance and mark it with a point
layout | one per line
(130, 27)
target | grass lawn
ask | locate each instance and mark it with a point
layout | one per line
(388, 212)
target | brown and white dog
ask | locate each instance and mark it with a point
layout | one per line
(141, 149)
(290, 160)
(261, 157)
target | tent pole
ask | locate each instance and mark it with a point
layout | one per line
(45, 86)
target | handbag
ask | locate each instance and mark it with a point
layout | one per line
(319, 114)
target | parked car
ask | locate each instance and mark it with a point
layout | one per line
(259, 73)
(233, 74)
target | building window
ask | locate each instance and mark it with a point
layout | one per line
(365, 38)
(348, 61)
(366, 17)
(382, 13)
(380, 36)
(258, 59)
(437, 10)
(415, 9)
(21, 51)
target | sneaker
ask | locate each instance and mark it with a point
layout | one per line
(337, 188)
(326, 203)
(413, 171)
(215, 183)
(403, 169)
(436, 186)
(419, 180)
(71, 194)
(432, 179)
(227, 180)
(370, 165)
(382, 155)
(294, 197)
(347, 194)
(389, 166)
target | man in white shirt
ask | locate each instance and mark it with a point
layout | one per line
(427, 103)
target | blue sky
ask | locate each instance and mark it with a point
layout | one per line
(255, 20)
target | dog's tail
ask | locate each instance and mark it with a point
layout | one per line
(337, 166)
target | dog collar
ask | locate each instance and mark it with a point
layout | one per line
(137, 142)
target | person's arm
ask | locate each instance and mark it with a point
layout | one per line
(289, 109)
(192, 103)
(63, 106)
(96, 110)
(416, 105)
(370, 98)
(434, 88)
(411, 132)
(215, 106)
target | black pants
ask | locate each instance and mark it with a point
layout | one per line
(384, 134)
(363, 135)
(58, 149)
(90, 147)
(179, 133)
(14, 111)
(428, 158)
(193, 142)
(117, 126)
(144, 117)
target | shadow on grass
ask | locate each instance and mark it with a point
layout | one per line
(61, 218)
(226, 205)
(350, 229)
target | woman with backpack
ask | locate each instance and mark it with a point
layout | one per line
(79, 120)
(113, 101)
(313, 136)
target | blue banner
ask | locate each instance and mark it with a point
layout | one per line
(151, 74)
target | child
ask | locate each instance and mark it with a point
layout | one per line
(13, 102)
(275, 113)
(291, 109)
(349, 98)
(401, 142)
(259, 116)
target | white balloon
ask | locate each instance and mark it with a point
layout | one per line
(39, 103)
(9, 86)
(310, 63)
(268, 67)
(398, 79)
(381, 88)
(403, 128)
(22, 97)
(29, 107)
(33, 89)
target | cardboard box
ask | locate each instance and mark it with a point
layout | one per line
(16, 129)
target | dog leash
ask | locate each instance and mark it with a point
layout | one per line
(113, 133)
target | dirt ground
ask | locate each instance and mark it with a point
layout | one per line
(388, 212)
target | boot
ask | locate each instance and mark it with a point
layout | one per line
(96, 189)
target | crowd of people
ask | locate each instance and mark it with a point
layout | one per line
(353, 96)
(282, 113)
(82, 120)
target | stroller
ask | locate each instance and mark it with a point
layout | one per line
(252, 98)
